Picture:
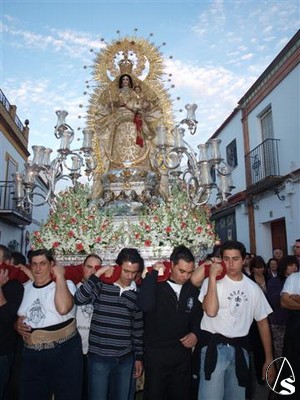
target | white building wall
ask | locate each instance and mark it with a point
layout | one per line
(9, 231)
(233, 130)
(284, 100)
(242, 225)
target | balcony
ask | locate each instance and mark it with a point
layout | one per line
(263, 161)
(9, 211)
(9, 109)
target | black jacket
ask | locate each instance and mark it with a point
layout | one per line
(167, 319)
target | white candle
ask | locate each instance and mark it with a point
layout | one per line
(38, 155)
(205, 173)
(76, 163)
(161, 136)
(215, 149)
(178, 137)
(61, 117)
(87, 139)
(191, 111)
(46, 158)
(18, 185)
(203, 148)
(30, 174)
(65, 140)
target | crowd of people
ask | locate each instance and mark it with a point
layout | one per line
(180, 330)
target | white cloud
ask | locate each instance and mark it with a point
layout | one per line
(74, 44)
(247, 56)
(215, 89)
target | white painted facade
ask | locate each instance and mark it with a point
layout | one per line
(256, 207)
(13, 154)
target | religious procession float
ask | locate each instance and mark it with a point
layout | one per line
(141, 193)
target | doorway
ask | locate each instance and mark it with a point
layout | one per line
(278, 233)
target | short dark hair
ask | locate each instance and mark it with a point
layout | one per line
(132, 255)
(6, 254)
(215, 252)
(92, 255)
(283, 264)
(233, 245)
(42, 252)
(28, 255)
(18, 258)
(181, 253)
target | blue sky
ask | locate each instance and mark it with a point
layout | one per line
(219, 49)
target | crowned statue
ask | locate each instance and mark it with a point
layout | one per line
(126, 108)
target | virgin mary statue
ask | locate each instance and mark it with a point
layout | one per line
(127, 106)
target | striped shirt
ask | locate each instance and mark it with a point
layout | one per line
(117, 324)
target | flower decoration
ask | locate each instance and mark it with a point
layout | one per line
(174, 222)
(76, 227)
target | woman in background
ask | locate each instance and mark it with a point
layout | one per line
(272, 267)
(258, 273)
(278, 319)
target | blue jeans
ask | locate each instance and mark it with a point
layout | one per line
(223, 384)
(5, 365)
(55, 371)
(109, 377)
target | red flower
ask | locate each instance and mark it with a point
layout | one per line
(73, 220)
(183, 225)
(155, 218)
(71, 234)
(98, 239)
(137, 235)
(79, 247)
(147, 243)
(55, 245)
(199, 229)
(168, 229)
(37, 233)
(147, 228)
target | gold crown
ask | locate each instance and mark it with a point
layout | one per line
(125, 66)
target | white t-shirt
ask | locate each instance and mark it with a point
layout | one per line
(176, 287)
(239, 303)
(292, 284)
(83, 319)
(39, 307)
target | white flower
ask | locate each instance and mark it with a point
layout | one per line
(74, 227)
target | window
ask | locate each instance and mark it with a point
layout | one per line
(266, 121)
(11, 167)
(231, 154)
(268, 154)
